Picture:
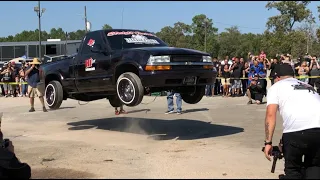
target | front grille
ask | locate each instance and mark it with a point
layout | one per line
(186, 58)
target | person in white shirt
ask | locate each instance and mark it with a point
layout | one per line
(299, 105)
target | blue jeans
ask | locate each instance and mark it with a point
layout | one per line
(170, 101)
(24, 88)
(209, 90)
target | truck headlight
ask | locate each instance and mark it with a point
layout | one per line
(159, 59)
(206, 59)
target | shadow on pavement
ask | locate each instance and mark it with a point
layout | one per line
(159, 129)
(69, 107)
(140, 110)
(195, 110)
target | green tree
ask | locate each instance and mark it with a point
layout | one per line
(202, 28)
(106, 26)
(291, 12)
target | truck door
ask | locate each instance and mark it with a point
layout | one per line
(91, 65)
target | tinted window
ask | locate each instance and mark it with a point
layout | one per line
(132, 39)
(20, 51)
(33, 51)
(92, 40)
(8, 52)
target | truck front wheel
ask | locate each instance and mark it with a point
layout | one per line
(195, 97)
(129, 89)
(53, 94)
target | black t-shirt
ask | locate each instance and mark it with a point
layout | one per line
(273, 68)
(11, 167)
(259, 87)
(296, 70)
(224, 73)
(237, 71)
(216, 65)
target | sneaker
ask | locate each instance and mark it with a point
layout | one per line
(32, 110)
(117, 112)
(179, 112)
(44, 109)
(249, 102)
(170, 112)
(5, 96)
(12, 95)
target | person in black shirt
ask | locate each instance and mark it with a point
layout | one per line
(256, 90)
(245, 72)
(216, 89)
(225, 79)
(10, 166)
(272, 67)
(237, 68)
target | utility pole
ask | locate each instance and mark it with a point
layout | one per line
(39, 12)
(85, 18)
(205, 34)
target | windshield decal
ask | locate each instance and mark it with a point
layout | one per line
(139, 39)
(114, 33)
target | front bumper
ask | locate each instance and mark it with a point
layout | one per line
(175, 78)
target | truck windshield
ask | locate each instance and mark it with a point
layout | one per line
(133, 39)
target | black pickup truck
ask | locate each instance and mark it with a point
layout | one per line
(123, 65)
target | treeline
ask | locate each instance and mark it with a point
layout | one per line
(293, 31)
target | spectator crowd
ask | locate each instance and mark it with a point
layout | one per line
(12, 78)
(237, 76)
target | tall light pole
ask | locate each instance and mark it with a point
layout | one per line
(85, 19)
(39, 12)
(205, 34)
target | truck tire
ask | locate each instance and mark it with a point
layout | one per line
(54, 94)
(195, 97)
(129, 89)
(115, 101)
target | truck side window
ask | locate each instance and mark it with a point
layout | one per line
(92, 39)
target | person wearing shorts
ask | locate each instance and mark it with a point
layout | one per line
(34, 89)
(225, 79)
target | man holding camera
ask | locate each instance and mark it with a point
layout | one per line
(256, 90)
(10, 166)
(33, 84)
(301, 124)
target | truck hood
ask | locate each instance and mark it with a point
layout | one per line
(156, 51)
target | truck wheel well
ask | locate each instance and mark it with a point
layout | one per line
(125, 68)
(52, 77)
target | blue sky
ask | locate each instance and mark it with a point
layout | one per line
(17, 16)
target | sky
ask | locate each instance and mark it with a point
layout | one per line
(249, 16)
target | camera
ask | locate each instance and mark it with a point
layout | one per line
(5, 143)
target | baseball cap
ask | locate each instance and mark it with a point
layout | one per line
(284, 69)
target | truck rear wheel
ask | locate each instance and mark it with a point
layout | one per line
(115, 101)
(54, 94)
(195, 97)
(129, 89)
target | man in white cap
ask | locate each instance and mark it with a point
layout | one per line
(33, 87)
